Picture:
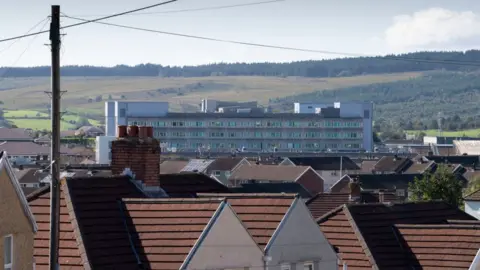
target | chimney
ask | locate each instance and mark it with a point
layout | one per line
(138, 152)
(355, 190)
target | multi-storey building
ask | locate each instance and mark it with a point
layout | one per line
(248, 130)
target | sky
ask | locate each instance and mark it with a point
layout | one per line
(364, 27)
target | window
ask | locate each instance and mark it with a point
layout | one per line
(308, 266)
(400, 193)
(8, 252)
(123, 112)
(217, 173)
(286, 266)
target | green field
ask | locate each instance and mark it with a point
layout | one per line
(86, 95)
(24, 113)
(70, 117)
(17, 117)
(460, 133)
(39, 124)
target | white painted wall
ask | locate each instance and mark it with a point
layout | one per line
(298, 240)
(473, 208)
(102, 149)
(118, 112)
(228, 245)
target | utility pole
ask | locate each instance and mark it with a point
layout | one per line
(55, 151)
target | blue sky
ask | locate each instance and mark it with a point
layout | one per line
(356, 26)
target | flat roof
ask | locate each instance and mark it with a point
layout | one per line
(289, 116)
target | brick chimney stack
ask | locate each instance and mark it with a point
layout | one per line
(355, 190)
(136, 149)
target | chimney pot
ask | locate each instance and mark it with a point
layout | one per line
(122, 131)
(149, 132)
(142, 132)
(132, 131)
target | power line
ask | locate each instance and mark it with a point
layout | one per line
(90, 21)
(17, 40)
(4, 73)
(396, 58)
(197, 9)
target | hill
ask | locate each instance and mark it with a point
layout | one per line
(320, 69)
(414, 103)
(86, 95)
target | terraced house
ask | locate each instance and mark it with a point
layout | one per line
(17, 223)
(250, 129)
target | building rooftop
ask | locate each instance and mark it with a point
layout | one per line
(167, 229)
(268, 172)
(188, 184)
(392, 164)
(363, 233)
(441, 246)
(261, 213)
(325, 163)
(172, 166)
(255, 115)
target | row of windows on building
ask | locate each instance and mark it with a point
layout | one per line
(258, 134)
(257, 145)
(250, 123)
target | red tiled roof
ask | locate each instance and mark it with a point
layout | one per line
(323, 203)
(91, 223)
(363, 232)
(448, 246)
(165, 230)
(260, 213)
(69, 255)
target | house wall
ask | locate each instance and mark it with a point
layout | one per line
(473, 208)
(341, 186)
(299, 240)
(331, 177)
(311, 182)
(14, 221)
(228, 245)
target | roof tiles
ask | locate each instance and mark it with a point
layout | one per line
(96, 210)
(370, 227)
(69, 255)
(447, 246)
(260, 213)
(268, 172)
(165, 230)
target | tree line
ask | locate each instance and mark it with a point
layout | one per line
(414, 104)
(314, 68)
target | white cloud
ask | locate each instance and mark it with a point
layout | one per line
(434, 28)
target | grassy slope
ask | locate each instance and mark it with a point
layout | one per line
(241, 88)
(33, 123)
(461, 133)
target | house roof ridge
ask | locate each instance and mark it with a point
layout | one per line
(438, 226)
(249, 195)
(361, 239)
(77, 227)
(172, 200)
(37, 193)
(330, 213)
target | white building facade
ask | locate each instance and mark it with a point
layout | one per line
(250, 130)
